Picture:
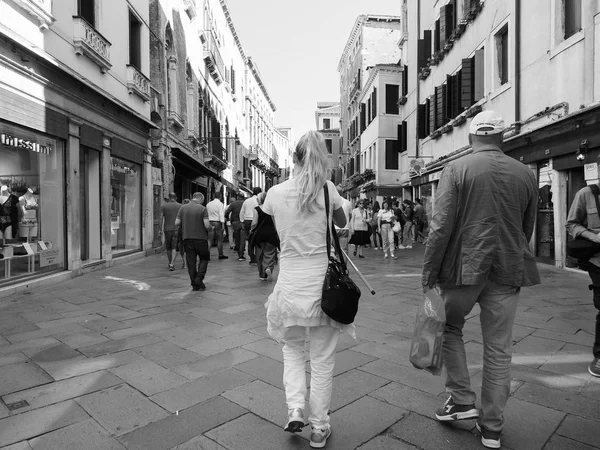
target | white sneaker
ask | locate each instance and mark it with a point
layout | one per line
(376, 248)
(268, 273)
(295, 420)
(408, 246)
(394, 256)
(401, 247)
(385, 256)
(318, 437)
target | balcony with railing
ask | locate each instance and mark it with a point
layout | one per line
(217, 156)
(40, 9)
(89, 42)
(138, 83)
(212, 58)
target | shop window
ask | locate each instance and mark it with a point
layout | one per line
(391, 98)
(32, 217)
(329, 145)
(135, 41)
(87, 10)
(501, 40)
(326, 124)
(125, 206)
(571, 17)
(391, 154)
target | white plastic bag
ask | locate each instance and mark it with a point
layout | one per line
(428, 337)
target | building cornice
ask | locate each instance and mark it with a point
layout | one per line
(376, 70)
(360, 21)
(232, 28)
(256, 73)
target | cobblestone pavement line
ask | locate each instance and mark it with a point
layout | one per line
(130, 357)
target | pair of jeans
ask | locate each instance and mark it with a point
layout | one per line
(323, 342)
(377, 242)
(407, 238)
(196, 249)
(387, 234)
(217, 233)
(246, 233)
(238, 231)
(498, 305)
(266, 257)
(594, 273)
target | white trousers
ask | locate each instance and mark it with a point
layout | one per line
(323, 342)
(387, 235)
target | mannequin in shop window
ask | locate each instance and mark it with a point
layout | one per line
(28, 228)
(8, 214)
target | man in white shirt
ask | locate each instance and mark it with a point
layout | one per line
(216, 216)
(246, 216)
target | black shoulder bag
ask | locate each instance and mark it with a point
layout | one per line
(340, 294)
(580, 248)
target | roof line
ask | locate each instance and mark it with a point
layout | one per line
(256, 73)
(232, 28)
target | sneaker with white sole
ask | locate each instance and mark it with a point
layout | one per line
(269, 273)
(452, 411)
(594, 367)
(319, 436)
(295, 420)
(489, 439)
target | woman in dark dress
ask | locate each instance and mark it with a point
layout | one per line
(265, 240)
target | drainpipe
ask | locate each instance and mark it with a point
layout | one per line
(518, 66)
(416, 40)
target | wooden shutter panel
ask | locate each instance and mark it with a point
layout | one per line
(479, 80)
(439, 107)
(363, 118)
(456, 109)
(422, 119)
(374, 102)
(427, 39)
(422, 53)
(431, 102)
(405, 81)
(443, 25)
(467, 83)
(436, 36)
(404, 141)
(449, 110)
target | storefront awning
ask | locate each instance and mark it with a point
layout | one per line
(245, 190)
(191, 164)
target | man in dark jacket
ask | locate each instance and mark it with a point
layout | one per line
(232, 213)
(478, 252)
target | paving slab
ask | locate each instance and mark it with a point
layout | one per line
(36, 344)
(265, 369)
(408, 376)
(352, 385)
(69, 320)
(181, 337)
(20, 376)
(529, 425)
(174, 431)
(386, 443)
(197, 391)
(12, 358)
(20, 446)
(138, 329)
(267, 347)
(409, 398)
(249, 432)
(118, 345)
(80, 339)
(263, 400)
(86, 435)
(55, 353)
(215, 346)
(60, 391)
(167, 354)
(214, 363)
(199, 443)
(572, 360)
(121, 409)
(581, 430)
(41, 333)
(40, 421)
(148, 377)
(104, 325)
(11, 324)
(557, 442)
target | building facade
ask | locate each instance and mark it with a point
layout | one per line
(286, 160)
(327, 121)
(74, 137)
(536, 64)
(373, 40)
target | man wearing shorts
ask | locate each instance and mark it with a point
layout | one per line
(168, 212)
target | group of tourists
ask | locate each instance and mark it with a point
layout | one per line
(476, 252)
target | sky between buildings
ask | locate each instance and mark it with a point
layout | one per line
(297, 45)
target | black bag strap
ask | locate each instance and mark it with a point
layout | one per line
(596, 192)
(330, 231)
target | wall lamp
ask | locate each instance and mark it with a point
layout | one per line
(582, 150)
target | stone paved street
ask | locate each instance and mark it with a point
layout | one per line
(130, 358)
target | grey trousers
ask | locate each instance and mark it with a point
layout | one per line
(498, 305)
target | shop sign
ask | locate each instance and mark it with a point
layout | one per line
(156, 176)
(25, 144)
(591, 171)
(435, 175)
(49, 257)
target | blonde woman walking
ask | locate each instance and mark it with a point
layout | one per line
(294, 313)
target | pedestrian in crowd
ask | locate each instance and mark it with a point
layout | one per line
(232, 213)
(180, 247)
(265, 240)
(407, 232)
(478, 252)
(168, 214)
(376, 235)
(216, 216)
(196, 229)
(344, 232)
(419, 220)
(399, 218)
(385, 222)
(294, 314)
(359, 228)
(583, 222)
(246, 215)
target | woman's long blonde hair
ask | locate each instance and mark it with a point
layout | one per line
(311, 159)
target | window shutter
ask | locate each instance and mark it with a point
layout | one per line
(404, 141)
(422, 119)
(400, 138)
(363, 119)
(422, 53)
(439, 107)
(374, 102)
(358, 164)
(405, 81)
(369, 118)
(436, 36)
(431, 102)
(391, 154)
(479, 80)
(391, 98)
(467, 83)
(456, 109)
(449, 110)
(427, 39)
(443, 25)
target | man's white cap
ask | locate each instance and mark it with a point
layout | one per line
(487, 122)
